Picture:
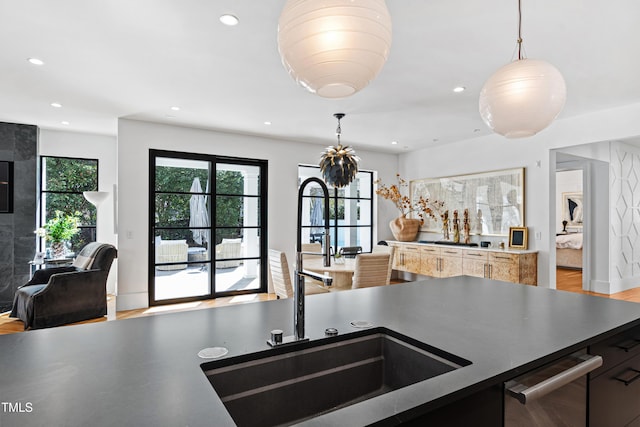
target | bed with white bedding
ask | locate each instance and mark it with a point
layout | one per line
(569, 250)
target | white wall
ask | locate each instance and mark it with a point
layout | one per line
(495, 152)
(90, 146)
(135, 138)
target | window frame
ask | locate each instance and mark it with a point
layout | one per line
(335, 198)
(42, 196)
(262, 226)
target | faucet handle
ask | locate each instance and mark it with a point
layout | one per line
(276, 336)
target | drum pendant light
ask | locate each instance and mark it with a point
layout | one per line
(334, 48)
(339, 164)
(523, 97)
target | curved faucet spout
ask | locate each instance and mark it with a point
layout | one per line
(298, 316)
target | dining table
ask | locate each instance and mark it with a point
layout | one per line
(341, 272)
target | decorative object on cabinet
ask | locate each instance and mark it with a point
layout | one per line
(334, 49)
(497, 195)
(572, 210)
(523, 97)
(339, 164)
(445, 225)
(466, 227)
(518, 237)
(456, 227)
(405, 228)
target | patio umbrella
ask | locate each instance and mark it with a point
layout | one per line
(198, 216)
(317, 218)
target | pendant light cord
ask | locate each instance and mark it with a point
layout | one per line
(339, 129)
(519, 30)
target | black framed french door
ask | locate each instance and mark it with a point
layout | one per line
(207, 226)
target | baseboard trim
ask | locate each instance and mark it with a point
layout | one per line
(132, 301)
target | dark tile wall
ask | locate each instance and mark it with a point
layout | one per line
(19, 144)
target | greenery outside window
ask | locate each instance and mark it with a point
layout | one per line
(207, 226)
(350, 211)
(62, 182)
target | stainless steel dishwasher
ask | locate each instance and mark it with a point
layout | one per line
(554, 395)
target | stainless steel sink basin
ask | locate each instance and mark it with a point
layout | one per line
(290, 384)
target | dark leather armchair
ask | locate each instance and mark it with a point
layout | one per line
(60, 295)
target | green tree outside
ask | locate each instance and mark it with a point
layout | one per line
(65, 180)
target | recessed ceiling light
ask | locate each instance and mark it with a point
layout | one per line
(268, 123)
(175, 108)
(64, 122)
(35, 61)
(459, 89)
(394, 142)
(56, 105)
(228, 19)
(435, 140)
(476, 130)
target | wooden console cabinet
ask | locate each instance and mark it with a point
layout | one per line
(449, 261)
(440, 262)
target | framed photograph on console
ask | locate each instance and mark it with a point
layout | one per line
(518, 237)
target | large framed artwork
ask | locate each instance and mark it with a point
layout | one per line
(495, 199)
(572, 210)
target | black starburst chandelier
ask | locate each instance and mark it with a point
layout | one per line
(339, 164)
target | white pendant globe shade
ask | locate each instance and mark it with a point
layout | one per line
(522, 98)
(334, 48)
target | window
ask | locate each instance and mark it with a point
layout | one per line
(350, 211)
(208, 226)
(62, 181)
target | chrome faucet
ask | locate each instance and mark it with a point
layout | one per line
(301, 273)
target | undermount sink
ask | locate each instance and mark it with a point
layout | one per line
(287, 385)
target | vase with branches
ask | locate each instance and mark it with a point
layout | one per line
(405, 227)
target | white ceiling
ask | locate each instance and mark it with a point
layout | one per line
(135, 58)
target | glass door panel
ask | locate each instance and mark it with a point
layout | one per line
(181, 231)
(238, 228)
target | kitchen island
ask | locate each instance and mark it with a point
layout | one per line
(145, 371)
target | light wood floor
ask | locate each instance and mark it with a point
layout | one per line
(11, 326)
(571, 280)
(567, 280)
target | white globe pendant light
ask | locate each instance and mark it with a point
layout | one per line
(334, 48)
(523, 97)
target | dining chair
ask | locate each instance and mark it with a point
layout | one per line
(371, 270)
(312, 285)
(350, 251)
(386, 250)
(281, 277)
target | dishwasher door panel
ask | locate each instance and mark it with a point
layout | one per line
(554, 395)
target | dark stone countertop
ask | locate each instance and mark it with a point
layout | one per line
(146, 371)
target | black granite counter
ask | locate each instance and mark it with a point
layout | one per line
(146, 371)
